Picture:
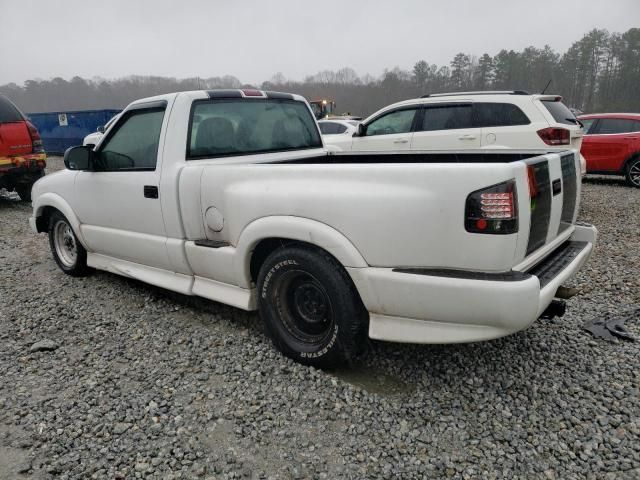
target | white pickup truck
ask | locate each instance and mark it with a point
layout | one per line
(230, 195)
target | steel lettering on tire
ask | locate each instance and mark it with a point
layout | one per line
(325, 349)
(270, 273)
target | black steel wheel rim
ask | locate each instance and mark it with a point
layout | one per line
(304, 306)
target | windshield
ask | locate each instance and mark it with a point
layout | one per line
(242, 126)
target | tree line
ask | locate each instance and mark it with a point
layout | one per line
(599, 72)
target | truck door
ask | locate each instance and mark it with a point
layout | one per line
(446, 126)
(117, 202)
(390, 131)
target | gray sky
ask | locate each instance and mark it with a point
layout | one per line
(255, 39)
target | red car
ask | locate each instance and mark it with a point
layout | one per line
(611, 144)
(22, 157)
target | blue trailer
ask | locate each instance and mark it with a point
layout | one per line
(61, 130)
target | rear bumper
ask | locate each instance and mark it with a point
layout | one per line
(433, 306)
(21, 169)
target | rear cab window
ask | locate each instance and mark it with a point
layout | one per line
(559, 112)
(9, 112)
(237, 126)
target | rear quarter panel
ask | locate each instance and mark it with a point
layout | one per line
(394, 214)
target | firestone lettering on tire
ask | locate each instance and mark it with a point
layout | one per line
(276, 267)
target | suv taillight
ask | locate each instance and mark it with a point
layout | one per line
(555, 136)
(36, 141)
(492, 210)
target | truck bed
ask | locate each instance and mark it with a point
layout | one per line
(413, 156)
(397, 209)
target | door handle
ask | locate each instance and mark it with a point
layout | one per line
(401, 141)
(467, 137)
(150, 191)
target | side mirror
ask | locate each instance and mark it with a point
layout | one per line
(361, 131)
(78, 158)
(100, 129)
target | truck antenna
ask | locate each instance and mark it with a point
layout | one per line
(545, 88)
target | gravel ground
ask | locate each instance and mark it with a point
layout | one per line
(138, 382)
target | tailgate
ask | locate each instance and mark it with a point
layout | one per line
(553, 194)
(14, 139)
(14, 135)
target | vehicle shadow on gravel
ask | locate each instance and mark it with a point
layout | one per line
(613, 181)
(396, 370)
(240, 319)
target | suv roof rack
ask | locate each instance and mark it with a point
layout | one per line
(495, 92)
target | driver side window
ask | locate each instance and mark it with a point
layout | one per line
(134, 144)
(399, 121)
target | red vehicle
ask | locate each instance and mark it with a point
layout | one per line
(22, 157)
(611, 144)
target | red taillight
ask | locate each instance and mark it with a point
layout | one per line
(252, 93)
(497, 205)
(492, 210)
(555, 136)
(36, 141)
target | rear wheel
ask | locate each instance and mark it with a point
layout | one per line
(310, 307)
(633, 172)
(67, 251)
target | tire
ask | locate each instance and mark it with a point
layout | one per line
(67, 251)
(310, 308)
(632, 174)
(24, 191)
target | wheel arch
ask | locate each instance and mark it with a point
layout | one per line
(263, 236)
(48, 203)
(627, 162)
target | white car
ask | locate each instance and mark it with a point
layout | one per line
(338, 127)
(337, 132)
(93, 138)
(469, 121)
(230, 195)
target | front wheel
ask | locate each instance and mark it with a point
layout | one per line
(310, 307)
(67, 251)
(633, 172)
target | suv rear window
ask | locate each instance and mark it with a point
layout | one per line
(498, 115)
(560, 112)
(9, 112)
(233, 126)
